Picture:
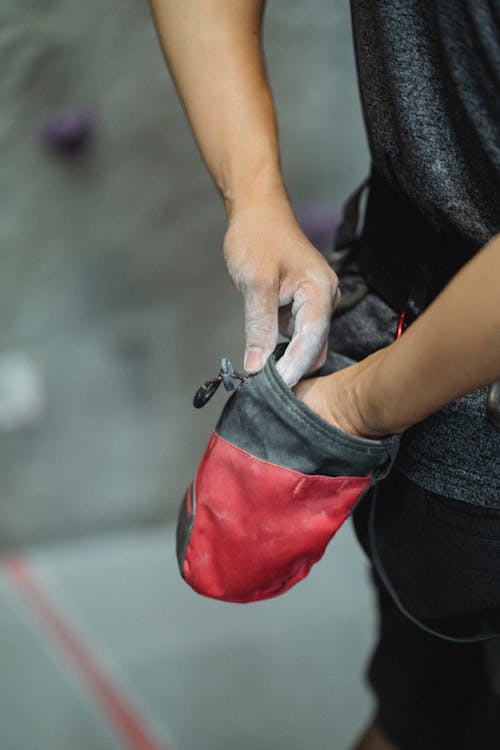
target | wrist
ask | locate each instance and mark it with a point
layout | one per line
(357, 396)
(261, 187)
(375, 396)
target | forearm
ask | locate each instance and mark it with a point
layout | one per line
(214, 53)
(450, 350)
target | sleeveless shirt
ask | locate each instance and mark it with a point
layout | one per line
(429, 80)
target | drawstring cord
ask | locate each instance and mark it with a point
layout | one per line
(227, 375)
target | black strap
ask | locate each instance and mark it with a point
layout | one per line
(347, 233)
(403, 255)
(355, 244)
(345, 249)
(381, 572)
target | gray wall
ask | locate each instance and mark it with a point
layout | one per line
(112, 281)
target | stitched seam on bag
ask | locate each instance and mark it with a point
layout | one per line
(285, 469)
(323, 431)
(208, 451)
(185, 560)
(301, 489)
(316, 422)
(305, 418)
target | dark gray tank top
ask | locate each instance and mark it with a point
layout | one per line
(429, 78)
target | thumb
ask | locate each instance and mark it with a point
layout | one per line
(261, 325)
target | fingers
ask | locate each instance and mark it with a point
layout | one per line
(320, 359)
(312, 310)
(285, 321)
(261, 324)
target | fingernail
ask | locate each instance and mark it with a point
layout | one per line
(254, 359)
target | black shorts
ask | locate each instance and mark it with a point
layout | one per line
(442, 558)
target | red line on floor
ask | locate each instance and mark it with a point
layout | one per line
(115, 706)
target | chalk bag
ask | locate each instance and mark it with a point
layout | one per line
(274, 484)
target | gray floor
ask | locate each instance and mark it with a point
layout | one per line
(203, 675)
(114, 295)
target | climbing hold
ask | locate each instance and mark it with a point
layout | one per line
(68, 131)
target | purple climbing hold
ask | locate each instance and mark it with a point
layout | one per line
(68, 131)
(319, 223)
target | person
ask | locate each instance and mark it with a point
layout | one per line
(429, 256)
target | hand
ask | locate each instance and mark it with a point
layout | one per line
(342, 399)
(287, 285)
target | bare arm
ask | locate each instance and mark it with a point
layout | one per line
(214, 53)
(449, 351)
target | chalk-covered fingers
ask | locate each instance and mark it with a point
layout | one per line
(261, 321)
(314, 302)
(275, 266)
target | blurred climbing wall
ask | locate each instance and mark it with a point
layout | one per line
(114, 300)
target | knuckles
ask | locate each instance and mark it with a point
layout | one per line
(258, 328)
